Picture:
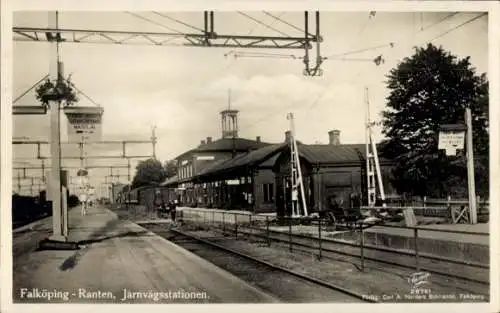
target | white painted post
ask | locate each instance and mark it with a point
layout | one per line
(55, 143)
(470, 168)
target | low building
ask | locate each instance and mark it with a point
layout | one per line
(208, 153)
(243, 174)
(259, 181)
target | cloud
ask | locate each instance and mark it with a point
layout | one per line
(182, 90)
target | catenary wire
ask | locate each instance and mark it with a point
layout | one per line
(285, 22)
(178, 21)
(154, 22)
(458, 26)
(316, 101)
(262, 23)
(314, 104)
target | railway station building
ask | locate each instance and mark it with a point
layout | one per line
(241, 174)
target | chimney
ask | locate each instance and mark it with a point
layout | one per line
(209, 139)
(334, 137)
(288, 136)
(202, 142)
(257, 138)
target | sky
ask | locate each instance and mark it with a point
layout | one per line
(181, 90)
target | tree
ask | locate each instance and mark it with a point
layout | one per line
(429, 89)
(170, 168)
(148, 172)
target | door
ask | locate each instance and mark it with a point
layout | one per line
(341, 195)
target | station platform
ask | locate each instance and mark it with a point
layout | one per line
(447, 232)
(456, 241)
(464, 242)
(118, 262)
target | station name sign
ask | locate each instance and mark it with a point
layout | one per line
(451, 138)
(84, 123)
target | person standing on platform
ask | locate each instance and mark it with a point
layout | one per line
(172, 208)
(83, 202)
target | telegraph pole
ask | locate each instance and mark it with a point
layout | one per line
(153, 140)
(59, 230)
(470, 167)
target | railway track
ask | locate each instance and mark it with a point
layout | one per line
(332, 248)
(284, 284)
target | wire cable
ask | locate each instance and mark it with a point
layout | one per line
(309, 107)
(81, 92)
(390, 44)
(262, 23)
(285, 22)
(31, 88)
(316, 101)
(439, 21)
(458, 26)
(178, 21)
(224, 70)
(154, 22)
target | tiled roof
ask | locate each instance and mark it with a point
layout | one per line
(321, 154)
(315, 154)
(170, 180)
(239, 144)
(334, 154)
(249, 159)
(214, 166)
(270, 162)
(228, 144)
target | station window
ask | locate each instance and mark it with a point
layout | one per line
(268, 192)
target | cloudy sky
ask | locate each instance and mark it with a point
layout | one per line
(181, 90)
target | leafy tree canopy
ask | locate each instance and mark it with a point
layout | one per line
(148, 172)
(429, 89)
(170, 168)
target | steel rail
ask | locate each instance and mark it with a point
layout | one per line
(365, 257)
(390, 250)
(276, 267)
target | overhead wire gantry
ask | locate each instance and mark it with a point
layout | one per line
(206, 37)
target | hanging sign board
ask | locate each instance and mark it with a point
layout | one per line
(84, 123)
(451, 138)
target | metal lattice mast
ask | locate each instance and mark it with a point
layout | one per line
(296, 173)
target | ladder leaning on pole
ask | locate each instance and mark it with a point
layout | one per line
(372, 162)
(296, 174)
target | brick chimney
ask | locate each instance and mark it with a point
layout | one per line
(257, 138)
(202, 142)
(334, 137)
(209, 139)
(288, 136)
